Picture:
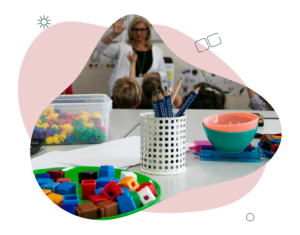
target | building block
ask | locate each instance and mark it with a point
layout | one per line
(126, 204)
(267, 145)
(61, 180)
(107, 171)
(111, 190)
(88, 188)
(127, 174)
(87, 210)
(56, 198)
(274, 148)
(125, 191)
(46, 191)
(71, 199)
(136, 198)
(101, 182)
(276, 137)
(42, 181)
(87, 175)
(66, 188)
(261, 122)
(97, 198)
(69, 208)
(265, 137)
(43, 175)
(117, 180)
(55, 174)
(146, 195)
(107, 208)
(129, 182)
(98, 190)
(51, 186)
(151, 187)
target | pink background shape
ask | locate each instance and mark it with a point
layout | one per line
(209, 197)
(58, 55)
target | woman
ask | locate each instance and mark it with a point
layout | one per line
(150, 62)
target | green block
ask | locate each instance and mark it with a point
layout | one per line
(43, 120)
(54, 129)
(136, 198)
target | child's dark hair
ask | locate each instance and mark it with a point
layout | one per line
(209, 97)
(149, 85)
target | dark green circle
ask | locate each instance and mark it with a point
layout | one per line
(247, 219)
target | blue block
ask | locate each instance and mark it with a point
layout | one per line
(44, 175)
(56, 109)
(126, 204)
(42, 181)
(116, 180)
(70, 139)
(107, 171)
(71, 199)
(66, 188)
(98, 190)
(52, 186)
(69, 208)
(101, 182)
(62, 116)
(92, 139)
(125, 191)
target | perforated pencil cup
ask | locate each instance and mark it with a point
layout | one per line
(162, 148)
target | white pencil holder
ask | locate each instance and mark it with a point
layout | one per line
(162, 148)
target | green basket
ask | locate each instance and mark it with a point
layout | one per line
(72, 172)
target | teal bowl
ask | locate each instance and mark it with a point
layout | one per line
(230, 142)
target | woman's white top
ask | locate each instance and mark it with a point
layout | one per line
(119, 51)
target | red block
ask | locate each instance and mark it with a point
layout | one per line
(62, 121)
(111, 190)
(55, 174)
(151, 187)
(61, 180)
(50, 122)
(97, 198)
(274, 148)
(88, 188)
(67, 121)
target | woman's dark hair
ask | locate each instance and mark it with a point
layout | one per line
(150, 85)
(209, 97)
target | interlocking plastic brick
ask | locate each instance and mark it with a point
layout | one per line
(274, 148)
(88, 188)
(101, 182)
(56, 198)
(61, 180)
(127, 174)
(129, 182)
(43, 175)
(69, 208)
(98, 190)
(87, 210)
(146, 196)
(107, 208)
(97, 198)
(265, 137)
(125, 191)
(71, 199)
(126, 204)
(111, 190)
(55, 174)
(46, 191)
(42, 181)
(151, 187)
(66, 188)
(267, 145)
(51, 186)
(87, 175)
(136, 198)
(107, 171)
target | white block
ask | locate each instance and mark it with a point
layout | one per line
(146, 195)
(127, 174)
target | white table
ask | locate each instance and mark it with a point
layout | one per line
(125, 123)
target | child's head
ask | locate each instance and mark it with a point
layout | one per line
(127, 93)
(209, 97)
(149, 85)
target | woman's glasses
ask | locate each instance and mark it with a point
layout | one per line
(141, 30)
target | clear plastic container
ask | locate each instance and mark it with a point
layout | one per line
(75, 119)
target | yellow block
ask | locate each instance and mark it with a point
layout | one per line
(56, 198)
(129, 183)
(276, 137)
(46, 191)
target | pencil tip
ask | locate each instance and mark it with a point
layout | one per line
(153, 93)
(166, 88)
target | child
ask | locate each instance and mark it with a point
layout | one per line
(209, 97)
(127, 93)
(257, 102)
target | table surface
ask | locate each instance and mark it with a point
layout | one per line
(125, 123)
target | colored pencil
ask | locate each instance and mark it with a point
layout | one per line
(162, 105)
(174, 93)
(187, 102)
(155, 105)
(168, 103)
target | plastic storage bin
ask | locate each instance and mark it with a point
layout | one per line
(75, 119)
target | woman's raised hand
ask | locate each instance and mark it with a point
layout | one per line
(118, 26)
